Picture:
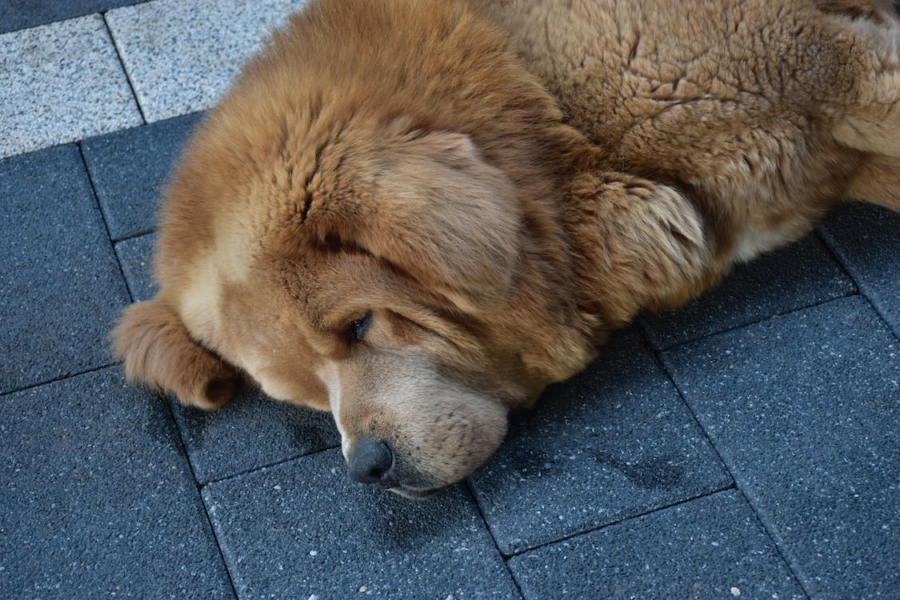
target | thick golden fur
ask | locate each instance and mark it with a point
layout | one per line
(419, 213)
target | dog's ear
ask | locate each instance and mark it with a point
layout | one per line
(450, 218)
(158, 351)
(442, 214)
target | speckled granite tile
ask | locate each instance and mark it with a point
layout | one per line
(130, 169)
(303, 530)
(805, 411)
(182, 54)
(60, 83)
(97, 500)
(712, 547)
(60, 286)
(21, 14)
(136, 257)
(790, 278)
(250, 432)
(867, 240)
(613, 442)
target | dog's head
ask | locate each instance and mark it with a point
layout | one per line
(385, 283)
(347, 253)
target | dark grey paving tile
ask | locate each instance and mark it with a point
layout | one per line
(251, 431)
(60, 286)
(712, 547)
(19, 14)
(867, 240)
(136, 257)
(130, 168)
(303, 529)
(797, 276)
(96, 499)
(805, 410)
(614, 442)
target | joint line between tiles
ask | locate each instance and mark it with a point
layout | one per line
(772, 317)
(112, 244)
(639, 515)
(57, 379)
(182, 448)
(734, 485)
(115, 44)
(263, 467)
(504, 559)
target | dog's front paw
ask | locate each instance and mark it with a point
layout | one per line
(638, 245)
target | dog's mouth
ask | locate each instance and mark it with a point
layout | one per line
(409, 489)
(414, 493)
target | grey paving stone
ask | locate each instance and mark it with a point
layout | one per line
(136, 257)
(712, 547)
(20, 14)
(60, 83)
(60, 286)
(867, 240)
(130, 169)
(182, 54)
(805, 410)
(800, 275)
(251, 431)
(96, 500)
(614, 442)
(303, 529)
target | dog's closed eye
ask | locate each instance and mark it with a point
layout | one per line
(357, 329)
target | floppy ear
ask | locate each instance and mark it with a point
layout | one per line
(442, 214)
(158, 351)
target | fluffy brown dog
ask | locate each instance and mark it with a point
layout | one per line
(419, 213)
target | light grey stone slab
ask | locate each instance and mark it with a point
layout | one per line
(182, 54)
(60, 83)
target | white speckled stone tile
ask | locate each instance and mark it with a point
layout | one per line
(60, 83)
(182, 54)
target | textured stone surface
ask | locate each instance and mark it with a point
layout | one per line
(136, 257)
(610, 489)
(20, 14)
(805, 410)
(800, 275)
(867, 241)
(251, 432)
(713, 547)
(96, 499)
(182, 54)
(614, 442)
(60, 286)
(130, 168)
(303, 529)
(60, 83)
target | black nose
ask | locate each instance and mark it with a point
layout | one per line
(372, 462)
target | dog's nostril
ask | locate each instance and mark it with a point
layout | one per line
(371, 462)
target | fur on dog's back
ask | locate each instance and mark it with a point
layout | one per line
(690, 96)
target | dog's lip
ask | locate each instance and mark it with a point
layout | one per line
(414, 493)
(390, 481)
